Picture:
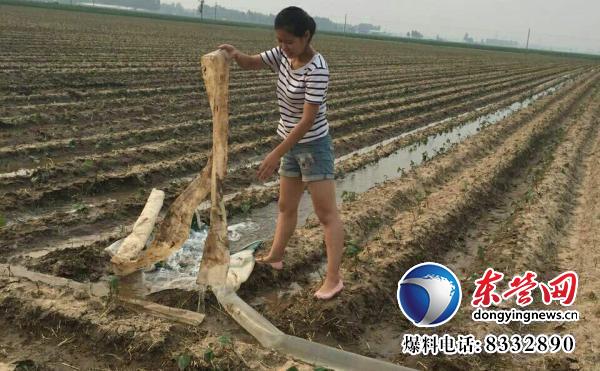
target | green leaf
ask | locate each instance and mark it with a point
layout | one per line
(352, 250)
(183, 361)
(224, 340)
(87, 164)
(25, 365)
(349, 196)
(209, 355)
(113, 282)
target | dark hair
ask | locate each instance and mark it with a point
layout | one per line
(295, 21)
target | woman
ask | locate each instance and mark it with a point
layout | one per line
(305, 156)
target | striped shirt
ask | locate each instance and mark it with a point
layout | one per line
(294, 87)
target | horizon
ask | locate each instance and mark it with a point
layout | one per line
(451, 21)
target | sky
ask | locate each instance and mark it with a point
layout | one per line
(573, 24)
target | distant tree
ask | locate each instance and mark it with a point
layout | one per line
(468, 39)
(323, 24)
(364, 28)
(416, 34)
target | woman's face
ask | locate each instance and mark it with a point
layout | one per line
(291, 45)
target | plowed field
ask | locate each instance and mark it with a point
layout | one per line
(96, 110)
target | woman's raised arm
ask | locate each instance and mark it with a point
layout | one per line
(245, 61)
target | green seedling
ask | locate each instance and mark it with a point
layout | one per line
(246, 206)
(142, 192)
(183, 361)
(224, 340)
(352, 249)
(530, 195)
(113, 284)
(209, 355)
(80, 207)
(25, 365)
(348, 196)
(87, 165)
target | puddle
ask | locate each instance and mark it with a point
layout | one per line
(180, 269)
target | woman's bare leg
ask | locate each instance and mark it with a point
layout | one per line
(290, 192)
(323, 198)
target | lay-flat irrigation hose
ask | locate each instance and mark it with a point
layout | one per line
(270, 336)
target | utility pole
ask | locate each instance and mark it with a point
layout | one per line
(201, 9)
(345, 17)
(528, 33)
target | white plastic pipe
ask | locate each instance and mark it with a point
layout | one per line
(270, 336)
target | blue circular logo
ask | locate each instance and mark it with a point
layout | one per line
(429, 294)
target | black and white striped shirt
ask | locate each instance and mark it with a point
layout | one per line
(294, 87)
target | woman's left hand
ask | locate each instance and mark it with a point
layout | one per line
(268, 166)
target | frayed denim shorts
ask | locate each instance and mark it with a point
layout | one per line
(312, 160)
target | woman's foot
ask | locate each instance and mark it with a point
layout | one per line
(329, 290)
(274, 263)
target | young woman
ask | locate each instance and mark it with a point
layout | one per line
(305, 155)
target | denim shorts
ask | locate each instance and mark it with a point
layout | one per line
(312, 160)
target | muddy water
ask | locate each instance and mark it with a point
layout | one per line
(390, 167)
(180, 270)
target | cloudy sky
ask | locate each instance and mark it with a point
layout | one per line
(561, 23)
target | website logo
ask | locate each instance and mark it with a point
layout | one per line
(429, 294)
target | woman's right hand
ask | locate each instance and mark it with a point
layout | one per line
(230, 49)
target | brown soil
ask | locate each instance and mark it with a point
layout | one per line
(94, 132)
